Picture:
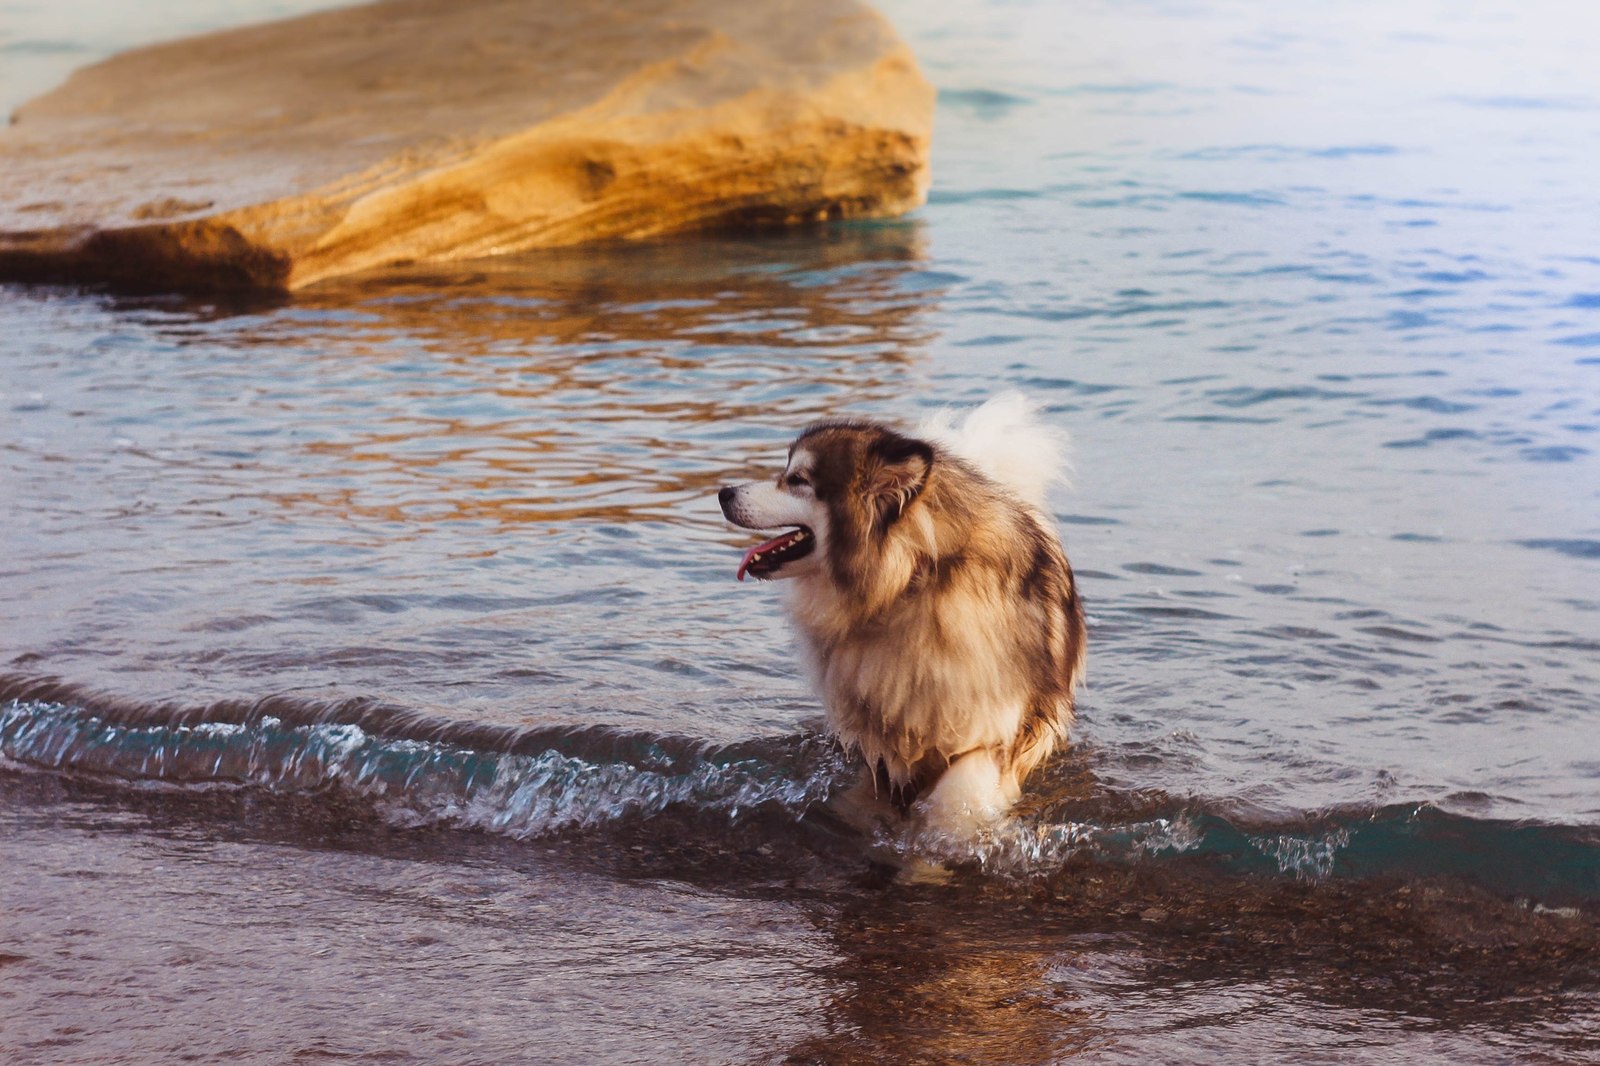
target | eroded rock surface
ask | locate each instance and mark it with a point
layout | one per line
(428, 130)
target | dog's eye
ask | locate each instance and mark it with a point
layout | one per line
(794, 481)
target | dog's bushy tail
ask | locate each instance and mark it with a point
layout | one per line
(1004, 438)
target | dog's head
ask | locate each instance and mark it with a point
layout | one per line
(845, 485)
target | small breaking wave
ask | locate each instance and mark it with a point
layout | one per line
(573, 780)
(418, 771)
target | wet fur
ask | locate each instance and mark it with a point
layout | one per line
(939, 617)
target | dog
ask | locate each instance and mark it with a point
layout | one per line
(937, 612)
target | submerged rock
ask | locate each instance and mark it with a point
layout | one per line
(430, 130)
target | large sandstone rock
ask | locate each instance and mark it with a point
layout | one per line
(427, 130)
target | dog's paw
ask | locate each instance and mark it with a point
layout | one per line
(969, 797)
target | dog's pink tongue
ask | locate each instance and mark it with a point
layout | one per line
(760, 549)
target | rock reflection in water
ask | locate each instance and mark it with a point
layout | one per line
(565, 386)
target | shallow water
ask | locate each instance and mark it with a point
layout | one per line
(374, 673)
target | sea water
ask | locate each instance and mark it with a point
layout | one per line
(374, 683)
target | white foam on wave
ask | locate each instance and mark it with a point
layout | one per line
(1022, 847)
(414, 782)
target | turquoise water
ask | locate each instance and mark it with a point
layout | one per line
(386, 637)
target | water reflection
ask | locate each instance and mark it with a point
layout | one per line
(566, 386)
(1140, 965)
(917, 982)
(379, 482)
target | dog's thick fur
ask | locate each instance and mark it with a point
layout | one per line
(936, 607)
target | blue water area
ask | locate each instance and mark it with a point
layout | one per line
(403, 605)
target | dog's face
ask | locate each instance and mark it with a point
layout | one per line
(845, 483)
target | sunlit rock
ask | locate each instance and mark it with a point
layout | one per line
(432, 130)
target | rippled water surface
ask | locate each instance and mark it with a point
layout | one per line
(374, 683)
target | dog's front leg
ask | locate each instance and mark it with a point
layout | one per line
(969, 796)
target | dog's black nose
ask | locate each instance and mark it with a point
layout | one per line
(725, 497)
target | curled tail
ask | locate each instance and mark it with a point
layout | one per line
(1004, 438)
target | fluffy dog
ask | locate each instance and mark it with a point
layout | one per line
(933, 600)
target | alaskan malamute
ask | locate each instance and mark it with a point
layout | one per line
(933, 600)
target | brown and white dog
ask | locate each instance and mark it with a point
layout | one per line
(935, 605)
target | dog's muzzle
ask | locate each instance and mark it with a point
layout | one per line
(767, 558)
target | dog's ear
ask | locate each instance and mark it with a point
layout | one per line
(899, 473)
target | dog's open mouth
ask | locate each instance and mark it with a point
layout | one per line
(765, 558)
